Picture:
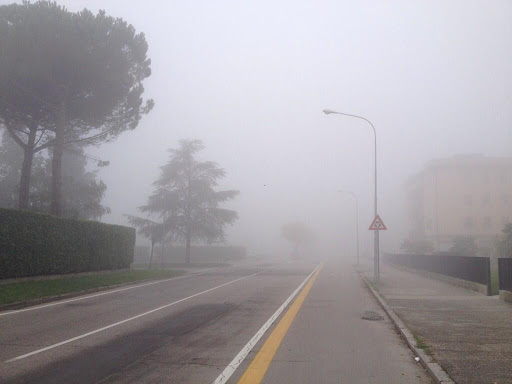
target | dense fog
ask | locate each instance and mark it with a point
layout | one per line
(251, 78)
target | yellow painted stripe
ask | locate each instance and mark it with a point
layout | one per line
(256, 371)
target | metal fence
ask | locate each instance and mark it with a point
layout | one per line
(475, 269)
(505, 273)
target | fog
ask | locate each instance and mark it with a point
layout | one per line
(251, 78)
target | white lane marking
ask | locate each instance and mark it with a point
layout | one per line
(235, 363)
(126, 320)
(101, 294)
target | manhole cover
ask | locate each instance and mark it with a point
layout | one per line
(372, 316)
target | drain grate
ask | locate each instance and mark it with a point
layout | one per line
(372, 316)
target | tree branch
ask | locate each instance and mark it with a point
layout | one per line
(15, 137)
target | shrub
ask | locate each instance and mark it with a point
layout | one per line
(464, 246)
(34, 244)
(417, 246)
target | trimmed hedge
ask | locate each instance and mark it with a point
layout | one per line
(33, 244)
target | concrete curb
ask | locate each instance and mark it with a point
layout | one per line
(49, 299)
(431, 366)
(506, 296)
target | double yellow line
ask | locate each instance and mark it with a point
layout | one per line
(256, 371)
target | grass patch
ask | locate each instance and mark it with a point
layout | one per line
(35, 289)
(182, 265)
(422, 344)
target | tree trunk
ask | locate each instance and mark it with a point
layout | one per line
(162, 256)
(189, 203)
(151, 258)
(26, 169)
(187, 249)
(58, 150)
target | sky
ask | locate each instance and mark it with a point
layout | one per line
(251, 78)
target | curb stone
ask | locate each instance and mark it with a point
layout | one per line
(506, 296)
(431, 366)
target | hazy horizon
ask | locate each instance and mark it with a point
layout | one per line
(250, 79)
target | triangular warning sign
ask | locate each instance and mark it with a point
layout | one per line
(377, 224)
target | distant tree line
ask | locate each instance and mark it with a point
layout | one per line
(465, 245)
(504, 242)
(461, 246)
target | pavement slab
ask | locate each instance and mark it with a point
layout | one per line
(470, 334)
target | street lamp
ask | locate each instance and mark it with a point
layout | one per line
(376, 272)
(354, 196)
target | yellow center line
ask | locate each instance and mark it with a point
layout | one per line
(256, 371)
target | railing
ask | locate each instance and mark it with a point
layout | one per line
(505, 274)
(474, 269)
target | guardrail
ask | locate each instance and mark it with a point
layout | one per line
(469, 269)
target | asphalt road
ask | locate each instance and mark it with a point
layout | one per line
(190, 329)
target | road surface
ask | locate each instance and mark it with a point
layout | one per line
(281, 322)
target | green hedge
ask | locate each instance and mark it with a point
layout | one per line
(33, 244)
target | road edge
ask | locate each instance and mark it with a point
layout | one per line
(70, 295)
(230, 369)
(431, 366)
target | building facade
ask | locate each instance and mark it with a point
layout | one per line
(460, 196)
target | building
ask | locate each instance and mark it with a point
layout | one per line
(460, 196)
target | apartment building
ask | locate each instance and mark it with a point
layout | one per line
(468, 195)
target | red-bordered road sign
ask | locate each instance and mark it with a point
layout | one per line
(377, 224)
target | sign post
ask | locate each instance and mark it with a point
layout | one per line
(377, 225)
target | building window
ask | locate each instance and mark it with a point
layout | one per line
(487, 222)
(468, 200)
(506, 199)
(468, 223)
(486, 199)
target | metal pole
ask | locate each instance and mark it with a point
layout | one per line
(357, 229)
(356, 200)
(376, 269)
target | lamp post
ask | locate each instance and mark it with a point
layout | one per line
(376, 272)
(354, 196)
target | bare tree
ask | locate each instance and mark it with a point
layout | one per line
(155, 232)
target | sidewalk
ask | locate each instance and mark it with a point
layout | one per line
(328, 342)
(469, 334)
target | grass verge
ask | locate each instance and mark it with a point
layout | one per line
(422, 344)
(30, 290)
(181, 265)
